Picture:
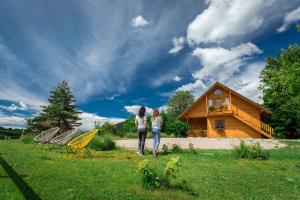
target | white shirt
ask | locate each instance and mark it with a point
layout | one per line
(156, 123)
(141, 122)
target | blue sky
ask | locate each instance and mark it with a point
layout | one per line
(118, 55)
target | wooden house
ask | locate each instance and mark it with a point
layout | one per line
(222, 112)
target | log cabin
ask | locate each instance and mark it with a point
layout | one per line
(222, 112)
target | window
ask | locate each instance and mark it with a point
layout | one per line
(220, 124)
(219, 102)
(209, 102)
(227, 101)
(218, 92)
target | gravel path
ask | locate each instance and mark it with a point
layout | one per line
(203, 143)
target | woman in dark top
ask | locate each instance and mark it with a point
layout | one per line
(141, 124)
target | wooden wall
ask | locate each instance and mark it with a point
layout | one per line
(198, 123)
(246, 110)
(233, 128)
(198, 110)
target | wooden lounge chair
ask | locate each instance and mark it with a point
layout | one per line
(46, 136)
(82, 141)
(64, 138)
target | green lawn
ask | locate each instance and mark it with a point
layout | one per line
(212, 174)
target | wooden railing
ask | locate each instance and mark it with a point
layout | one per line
(264, 128)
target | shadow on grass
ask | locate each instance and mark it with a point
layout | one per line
(26, 191)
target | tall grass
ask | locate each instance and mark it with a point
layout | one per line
(252, 151)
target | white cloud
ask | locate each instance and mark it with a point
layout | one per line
(225, 18)
(139, 21)
(88, 120)
(134, 109)
(14, 107)
(225, 65)
(12, 121)
(289, 18)
(177, 78)
(178, 44)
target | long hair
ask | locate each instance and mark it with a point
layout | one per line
(142, 112)
(155, 113)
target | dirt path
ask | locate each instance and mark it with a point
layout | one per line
(203, 143)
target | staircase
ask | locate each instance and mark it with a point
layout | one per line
(263, 128)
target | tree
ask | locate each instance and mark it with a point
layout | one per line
(280, 85)
(179, 102)
(128, 126)
(61, 111)
(172, 125)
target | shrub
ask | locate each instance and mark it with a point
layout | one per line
(153, 179)
(150, 178)
(192, 148)
(252, 151)
(27, 139)
(165, 149)
(130, 135)
(102, 143)
(176, 148)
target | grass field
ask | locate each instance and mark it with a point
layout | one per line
(212, 174)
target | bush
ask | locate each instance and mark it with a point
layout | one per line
(102, 143)
(252, 151)
(153, 179)
(27, 139)
(130, 135)
(165, 149)
(108, 129)
(192, 148)
(176, 148)
(172, 125)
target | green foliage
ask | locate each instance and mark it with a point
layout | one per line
(165, 149)
(108, 129)
(153, 179)
(128, 126)
(61, 111)
(280, 85)
(172, 125)
(192, 148)
(176, 148)
(179, 102)
(130, 135)
(252, 151)
(102, 143)
(27, 138)
(10, 133)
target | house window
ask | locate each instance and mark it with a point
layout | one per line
(209, 102)
(220, 124)
(218, 92)
(219, 102)
(227, 101)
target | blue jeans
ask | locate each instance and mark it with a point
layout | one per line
(156, 139)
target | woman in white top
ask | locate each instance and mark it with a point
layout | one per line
(141, 124)
(157, 123)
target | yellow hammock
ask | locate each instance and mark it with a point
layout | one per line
(82, 141)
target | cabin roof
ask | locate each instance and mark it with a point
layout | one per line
(265, 111)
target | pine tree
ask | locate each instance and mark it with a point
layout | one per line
(61, 111)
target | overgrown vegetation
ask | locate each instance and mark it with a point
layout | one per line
(27, 138)
(152, 178)
(280, 85)
(102, 143)
(252, 151)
